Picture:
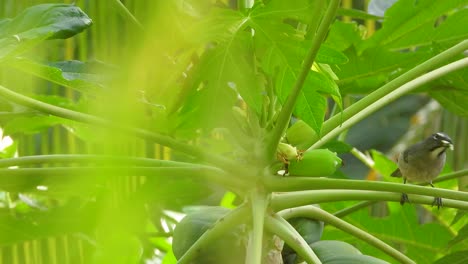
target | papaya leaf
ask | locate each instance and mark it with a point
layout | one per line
(411, 25)
(55, 21)
(81, 76)
(38, 23)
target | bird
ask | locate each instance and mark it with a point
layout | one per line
(423, 162)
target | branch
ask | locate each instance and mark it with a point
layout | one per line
(14, 179)
(288, 107)
(94, 159)
(282, 201)
(94, 120)
(358, 206)
(393, 90)
(319, 214)
(287, 184)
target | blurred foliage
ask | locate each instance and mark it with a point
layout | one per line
(212, 74)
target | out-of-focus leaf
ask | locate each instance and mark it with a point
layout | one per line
(383, 165)
(12, 46)
(31, 125)
(9, 151)
(459, 257)
(55, 21)
(43, 224)
(453, 100)
(452, 92)
(29, 122)
(462, 235)
(409, 24)
(458, 216)
(84, 77)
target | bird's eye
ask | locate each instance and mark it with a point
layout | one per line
(438, 136)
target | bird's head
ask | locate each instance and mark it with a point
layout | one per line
(437, 143)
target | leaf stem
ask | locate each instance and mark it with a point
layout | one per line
(287, 184)
(18, 179)
(279, 226)
(94, 159)
(288, 107)
(259, 205)
(317, 213)
(123, 10)
(393, 90)
(94, 120)
(358, 206)
(293, 199)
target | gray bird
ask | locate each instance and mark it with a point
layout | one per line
(423, 161)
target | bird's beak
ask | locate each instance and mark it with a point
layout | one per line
(447, 144)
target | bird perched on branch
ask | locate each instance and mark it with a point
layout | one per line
(423, 161)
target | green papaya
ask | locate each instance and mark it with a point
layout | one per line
(315, 163)
(192, 227)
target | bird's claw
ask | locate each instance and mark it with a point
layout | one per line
(404, 198)
(437, 201)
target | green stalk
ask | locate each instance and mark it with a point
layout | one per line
(94, 159)
(127, 14)
(221, 227)
(293, 199)
(12, 179)
(288, 107)
(288, 184)
(358, 206)
(259, 206)
(384, 95)
(145, 134)
(392, 96)
(277, 225)
(317, 213)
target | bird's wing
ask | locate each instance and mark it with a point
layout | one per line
(396, 173)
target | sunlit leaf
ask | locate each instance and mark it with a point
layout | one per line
(55, 21)
(413, 24)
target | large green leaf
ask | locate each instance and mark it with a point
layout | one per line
(282, 49)
(268, 32)
(40, 22)
(56, 21)
(225, 70)
(408, 24)
(84, 77)
(452, 92)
